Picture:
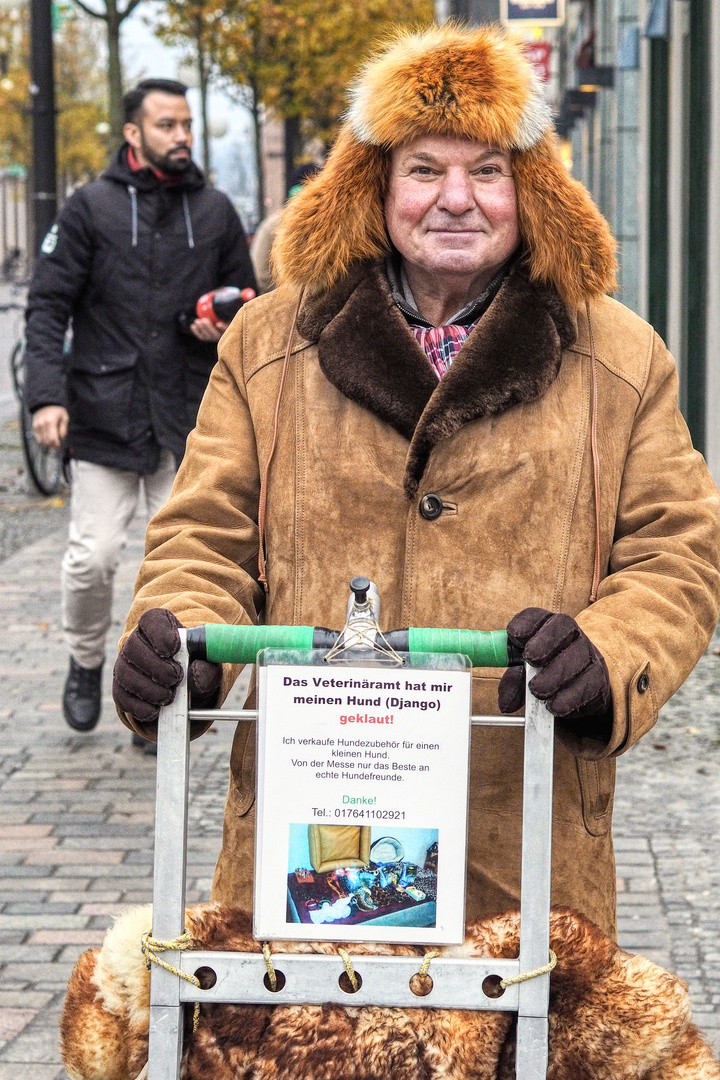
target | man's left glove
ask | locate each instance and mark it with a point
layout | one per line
(573, 678)
(146, 676)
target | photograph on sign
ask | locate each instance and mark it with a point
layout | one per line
(362, 803)
(356, 874)
(532, 12)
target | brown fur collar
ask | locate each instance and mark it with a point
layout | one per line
(368, 352)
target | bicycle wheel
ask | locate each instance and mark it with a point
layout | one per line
(44, 465)
(17, 367)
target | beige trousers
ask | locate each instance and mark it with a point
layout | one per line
(102, 505)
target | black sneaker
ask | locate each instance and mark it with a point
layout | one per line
(82, 696)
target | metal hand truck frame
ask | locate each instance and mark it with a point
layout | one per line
(241, 978)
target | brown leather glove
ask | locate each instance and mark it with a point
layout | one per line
(145, 676)
(573, 678)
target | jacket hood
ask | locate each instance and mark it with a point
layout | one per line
(471, 84)
(146, 180)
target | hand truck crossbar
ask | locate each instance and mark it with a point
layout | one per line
(314, 979)
(252, 714)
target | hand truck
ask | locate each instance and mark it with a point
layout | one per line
(313, 979)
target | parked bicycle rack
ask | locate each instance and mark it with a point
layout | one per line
(313, 979)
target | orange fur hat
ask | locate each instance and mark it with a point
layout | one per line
(471, 84)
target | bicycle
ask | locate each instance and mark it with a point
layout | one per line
(45, 465)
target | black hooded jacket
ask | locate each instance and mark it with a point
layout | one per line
(126, 253)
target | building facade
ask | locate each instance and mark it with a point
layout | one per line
(636, 89)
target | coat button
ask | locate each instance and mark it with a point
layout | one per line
(643, 683)
(431, 507)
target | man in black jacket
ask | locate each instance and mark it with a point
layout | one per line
(126, 254)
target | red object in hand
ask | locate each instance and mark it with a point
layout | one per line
(222, 305)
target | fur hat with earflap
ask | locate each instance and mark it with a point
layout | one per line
(470, 84)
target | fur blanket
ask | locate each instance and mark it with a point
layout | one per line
(613, 1016)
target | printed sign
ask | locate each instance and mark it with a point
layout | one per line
(362, 803)
(532, 12)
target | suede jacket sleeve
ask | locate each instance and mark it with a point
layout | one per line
(657, 606)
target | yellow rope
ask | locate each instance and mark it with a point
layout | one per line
(269, 965)
(349, 969)
(426, 962)
(152, 946)
(504, 983)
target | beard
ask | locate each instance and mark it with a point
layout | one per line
(169, 163)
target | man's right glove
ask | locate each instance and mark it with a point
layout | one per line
(573, 678)
(146, 675)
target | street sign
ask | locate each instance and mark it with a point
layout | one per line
(538, 53)
(62, 11)
(532, 12)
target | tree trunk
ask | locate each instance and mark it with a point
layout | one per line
(115, 88)
(257, 129)
(203, 87)
(292, 146)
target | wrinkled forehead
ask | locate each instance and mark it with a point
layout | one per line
(444, 151)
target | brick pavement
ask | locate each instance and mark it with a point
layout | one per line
(76, 815)
(667, 824)
(76, 812)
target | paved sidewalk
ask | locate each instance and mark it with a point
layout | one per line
(76, 815)
(76, 812)
(667, 828)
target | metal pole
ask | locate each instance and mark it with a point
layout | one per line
(42, 89)
(4, 217)
(166, 1012)
(532, 1030)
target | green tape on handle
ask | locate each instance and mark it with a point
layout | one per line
(241, 644)
(486, 648)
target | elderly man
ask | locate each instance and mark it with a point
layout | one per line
(441, 396)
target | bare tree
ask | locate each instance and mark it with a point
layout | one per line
(196, 25)
(113, 15)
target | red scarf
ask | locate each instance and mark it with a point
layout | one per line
(135, 166)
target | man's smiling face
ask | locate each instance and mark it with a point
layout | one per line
(451, 208)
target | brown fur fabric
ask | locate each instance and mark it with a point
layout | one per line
(469, 84)
(367, 351)
(566, 235)
(613, 1016)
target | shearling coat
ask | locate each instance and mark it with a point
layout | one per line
(365, 430)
